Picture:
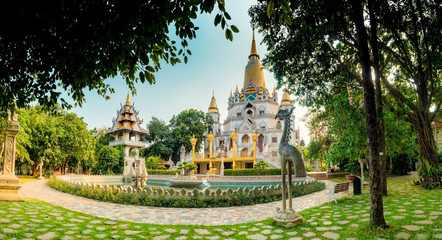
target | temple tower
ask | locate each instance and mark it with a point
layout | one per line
(126, 128)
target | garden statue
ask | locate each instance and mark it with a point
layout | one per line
(289, 156)
(9, 183)
(138, 174)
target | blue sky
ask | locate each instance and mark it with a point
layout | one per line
(216, 64)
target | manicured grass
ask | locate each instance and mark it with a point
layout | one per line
(26, 179)
(407, 205)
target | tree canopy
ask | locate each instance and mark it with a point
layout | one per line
(73, 45)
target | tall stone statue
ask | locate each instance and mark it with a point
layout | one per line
(9, 183)
(289, 156)
(138, 174)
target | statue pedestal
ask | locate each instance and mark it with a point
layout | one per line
(9, 186)
(289, 218)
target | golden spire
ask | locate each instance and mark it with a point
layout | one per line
(128, 101)
(231, 95)
(274, 90)
(213, 107)
(286, 98)
(253, 51)
(236, 91)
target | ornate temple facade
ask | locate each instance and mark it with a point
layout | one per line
(251, 108)
(126, 128)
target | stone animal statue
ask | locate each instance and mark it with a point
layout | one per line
(289, 156)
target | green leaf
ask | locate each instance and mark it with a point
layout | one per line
(286, 6)
(150, 69)
(217, 19)
(229, 34)
(142, 79)
(287, 19)
(223, 23)
(270, 8)
(189, 52)
(234, 29)
(185, 59)
(157, 48)
(226, 14)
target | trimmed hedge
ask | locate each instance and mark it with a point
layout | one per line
(252, 172)
(162, 200)
(162, 172)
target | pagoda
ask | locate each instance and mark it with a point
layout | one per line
(126, 128)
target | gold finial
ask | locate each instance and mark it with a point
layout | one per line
(128, 101)
(286, 98)
(213, 107)
(274, 90)
(253, 51)
(231, 95)
(236, 91)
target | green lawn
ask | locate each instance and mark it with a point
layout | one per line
(409, 210)
(26, 179)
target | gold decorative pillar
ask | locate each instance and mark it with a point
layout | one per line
(9, 183)
(193, 142)
(210, 137)
(234, 135)
(254, 138)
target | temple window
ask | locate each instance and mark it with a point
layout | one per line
(261, 112)
(248, 165)
(238, 114)
(245, 139)
(250, 113)
(274, 139)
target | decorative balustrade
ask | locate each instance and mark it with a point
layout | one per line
(188, 193)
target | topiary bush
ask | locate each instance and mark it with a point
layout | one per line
(252, 172)
(162, 172)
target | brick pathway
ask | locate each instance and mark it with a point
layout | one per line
(142, 214)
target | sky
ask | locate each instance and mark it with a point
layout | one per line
(216, 65)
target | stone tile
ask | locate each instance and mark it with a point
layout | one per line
(424, 222)
(331, 235)
(95, 222)
(397, 217)
(161, 237)
(131, 232)
(184, 231)
(418, 211)
(309, 234)
(8, 230)
(254, 229)
(110, 223)
(49, 235)
(437, 236)
(421, 236)
(266, 231)
(257, 237)
(202, 231)
(402, 235)
(354, 225)
(278, 231)
(101, 228)
(213, 237)
(291, 233)
(102, 235)
(342, 222)
(170, 230)
(227, 233)
(295, 238)
(327, 223)
(412, 227)
(275, 236)
(322, 229)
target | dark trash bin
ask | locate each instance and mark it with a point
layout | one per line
(357, 185)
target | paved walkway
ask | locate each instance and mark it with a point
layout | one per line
(189, 216)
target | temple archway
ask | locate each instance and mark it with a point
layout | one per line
(244, 152)
(245, 139)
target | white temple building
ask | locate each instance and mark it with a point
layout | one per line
(251, 108)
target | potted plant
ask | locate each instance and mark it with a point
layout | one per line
(186, 167)
(353, 168)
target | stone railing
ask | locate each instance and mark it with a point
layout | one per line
(188, 193)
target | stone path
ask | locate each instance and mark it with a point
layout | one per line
(191, 216)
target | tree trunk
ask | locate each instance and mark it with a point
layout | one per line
(376, 203)
(427, 144)
(377, 76)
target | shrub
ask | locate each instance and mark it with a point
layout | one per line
(252, 172)
(402, 164)
(161, 200)
(353, 167)
(162, 172)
